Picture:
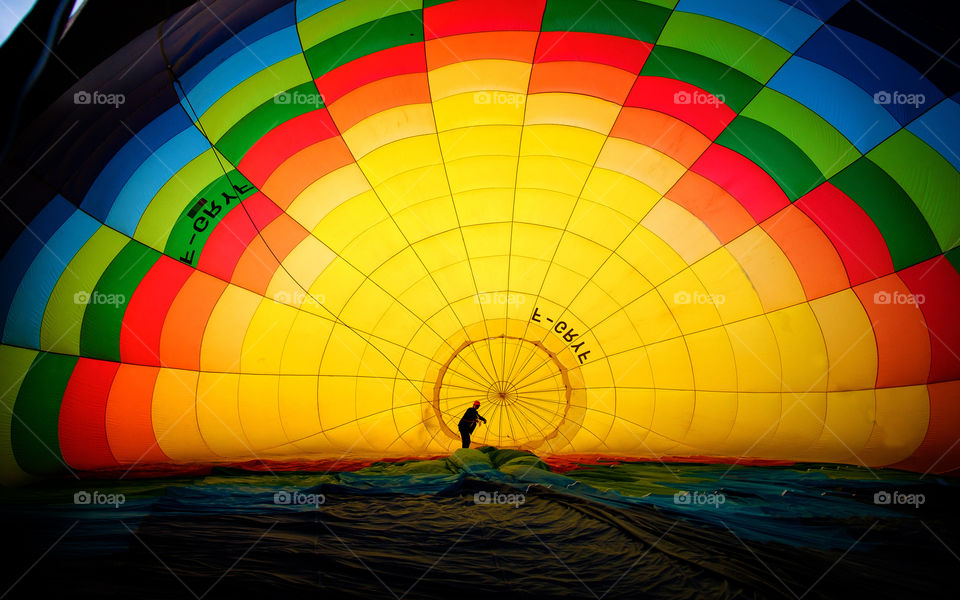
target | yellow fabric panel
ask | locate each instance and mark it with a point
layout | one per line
(349, 220)
(758, 416)
(803, 355)
(413, 187)
(653, 320)
(768, 268)
(335, 285)
(226, 328)
(366, 307)
(325, 194)
(574, 143)
(468, 110)
(713, 418)
(632, 369)
(483, 173)
(259, 407)
(902, 415)
(756, 354)
(593, 304)
(389, 126)
(551, 173)
(621, 280)
(218, 415)
(724, 280)
(846, 426)
(484, 205)
(671, 420)
(485, 75)
(400, 272)
(581, 255)
(301, 267)
(304, 347)
(400, 156)
(618, 334)
(575, 110)
(480, 140)
(299, 414)
(373, 247)
(685, 233)
(16, 363)
(265, 337)
(643, 163)
(671, 365)
(693, 308)
(174, 416)
(427, 218)
(653, 257)
(599, 223)
(544, 207)
(801, 422)
(851, 346)
(714, 367)
(626, 195)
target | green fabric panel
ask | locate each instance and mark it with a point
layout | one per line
(823, 144)
(932, 182)
(395, 30)
(724, 42)
(904, 229)
(59, 330)
(258, 122)
(624, 18)
(342, 17)
(36, 415)
(735, 88)
(774, 153)
(100, 331)
(14, 364)
(208, 208)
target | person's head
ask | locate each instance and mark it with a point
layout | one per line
(476, 404)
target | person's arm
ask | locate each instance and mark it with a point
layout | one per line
(481, 418)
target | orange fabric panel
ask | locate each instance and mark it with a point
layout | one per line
(939, 452)
(600, 81)
(667, 134)
(903, 344)
(507, 45)
(183, 328)
(128, 418)
(304, 168)
(379, 96)
(259, 261)
(710, 203)
(810, 251)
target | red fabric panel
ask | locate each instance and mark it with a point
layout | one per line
(283, 141)
(399, 60)
(143, 321)
(685, 101)
(935, 285)
(82, 425)
(472, 16)
(858, 241)
(939, 451)
(744, 180)
(233, 234)
(623, 53)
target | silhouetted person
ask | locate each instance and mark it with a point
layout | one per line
(469, 422)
